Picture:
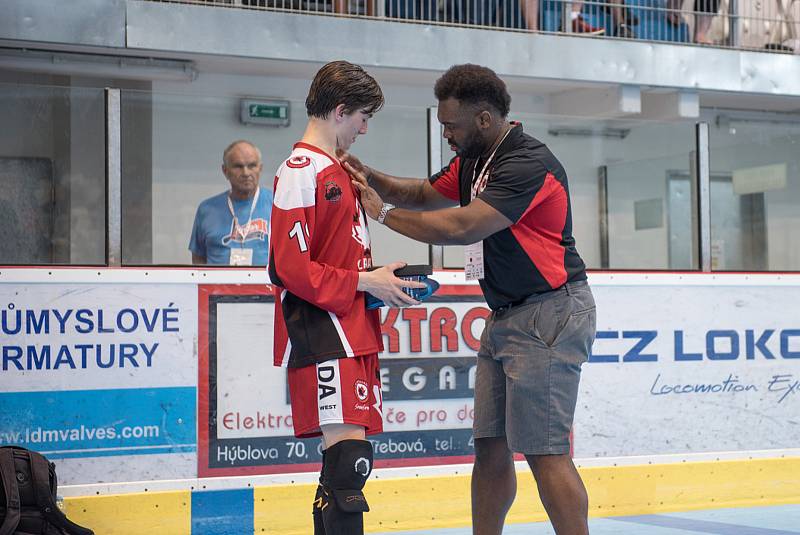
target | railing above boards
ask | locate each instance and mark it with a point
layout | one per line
(764, 25)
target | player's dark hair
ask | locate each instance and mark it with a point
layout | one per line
(474, 85)
(340, 82)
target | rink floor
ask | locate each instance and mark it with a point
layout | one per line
(775, 520)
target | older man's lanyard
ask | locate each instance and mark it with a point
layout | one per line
(473, 254)
(242, 256)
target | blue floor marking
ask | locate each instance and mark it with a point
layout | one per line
(222, 512)
(785, 517)
(776, 520)
(700, 526)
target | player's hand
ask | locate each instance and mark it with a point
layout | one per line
(353, 162)
(370, 200)
(386, 286)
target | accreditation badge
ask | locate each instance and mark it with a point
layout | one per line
(241, 257)
(473, 261)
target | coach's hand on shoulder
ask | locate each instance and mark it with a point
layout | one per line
(383, 284)
(370, 200)
(351, 163)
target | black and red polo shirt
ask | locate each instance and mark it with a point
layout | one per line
(528, 185)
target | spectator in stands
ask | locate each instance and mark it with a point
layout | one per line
(622, 18)
(501, 13)
(412, 9)
(349, 7)
(579, 24)
(232, 228)
(704, 12)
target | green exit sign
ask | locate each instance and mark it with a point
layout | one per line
(268, 110)
(265, 112)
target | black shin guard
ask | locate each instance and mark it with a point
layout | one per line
(320, 502)
(347, 466)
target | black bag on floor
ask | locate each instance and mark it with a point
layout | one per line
(28, 496)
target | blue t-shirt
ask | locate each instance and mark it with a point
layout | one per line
(213, 233)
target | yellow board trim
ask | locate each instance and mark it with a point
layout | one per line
(444, 501)
(154, 513)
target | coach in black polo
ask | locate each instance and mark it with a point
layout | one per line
(516, 221)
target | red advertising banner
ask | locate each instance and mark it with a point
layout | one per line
(427, 375)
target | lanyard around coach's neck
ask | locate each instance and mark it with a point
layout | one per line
(480, 184)
(246, 229)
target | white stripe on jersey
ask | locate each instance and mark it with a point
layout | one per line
(288, 351)
(296, 187)
(329, 393)
(378, 395)
(345, 343)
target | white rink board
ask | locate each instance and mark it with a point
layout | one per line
(706, 377)
(683, 364)
(86, 327)
(101, 378)
(248, 385)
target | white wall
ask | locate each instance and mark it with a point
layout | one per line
(64, 125)
(87, 176)
(637, 171)
(637, 167)
(190, 131)
(193, 122)
(26, 119)
(755, 145)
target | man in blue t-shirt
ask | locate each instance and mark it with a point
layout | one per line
(232, 228)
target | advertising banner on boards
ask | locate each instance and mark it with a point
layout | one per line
(691, 368)
(674, 369)
(130, 382)
(245, 421)
(101, 378)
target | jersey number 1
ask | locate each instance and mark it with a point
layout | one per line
(297, 232)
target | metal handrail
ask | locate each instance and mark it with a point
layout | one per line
(764, 25)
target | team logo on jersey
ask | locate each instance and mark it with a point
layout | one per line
(365, 262)
(333, 192)
(362, 390)
(298, 162)
(360, 231)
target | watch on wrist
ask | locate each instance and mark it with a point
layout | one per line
(385, 209)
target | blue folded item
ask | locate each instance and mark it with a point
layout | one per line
(416, 273)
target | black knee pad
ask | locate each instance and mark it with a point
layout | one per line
(347, 466)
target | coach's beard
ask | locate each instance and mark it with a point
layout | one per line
(473, 147)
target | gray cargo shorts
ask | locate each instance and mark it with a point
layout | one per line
(529, 367)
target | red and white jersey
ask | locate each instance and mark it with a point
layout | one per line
(319, 241)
